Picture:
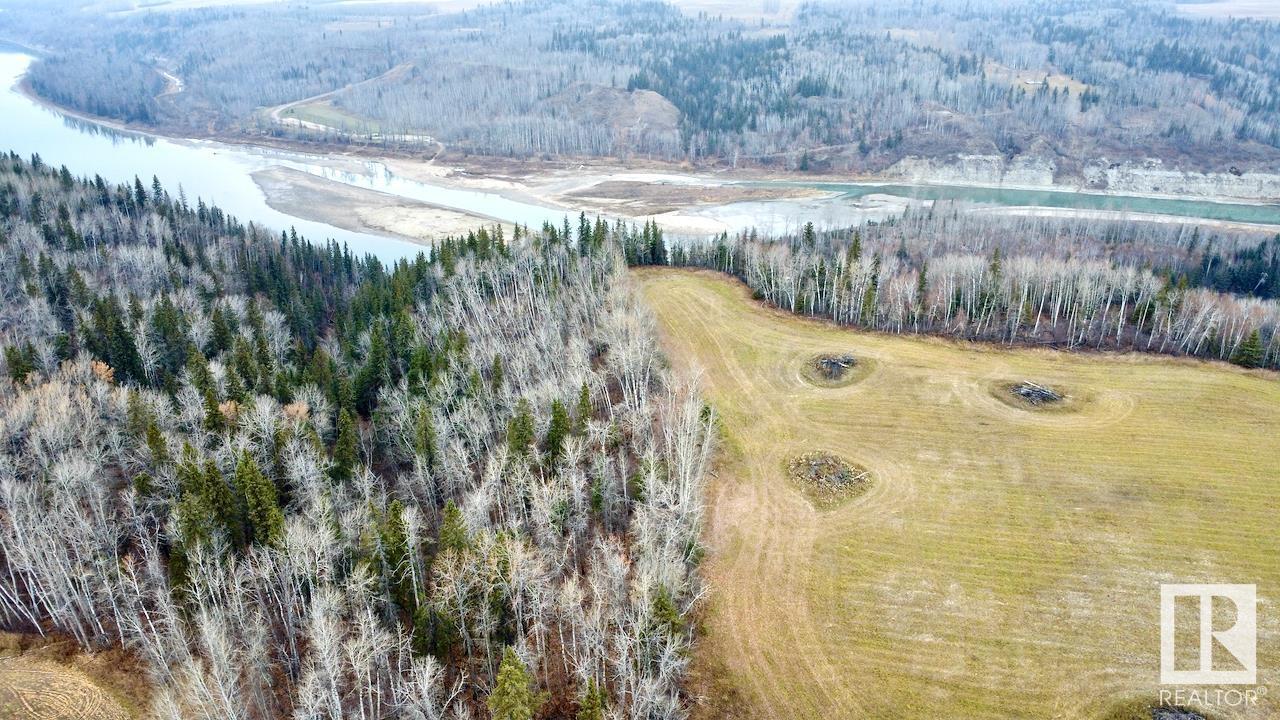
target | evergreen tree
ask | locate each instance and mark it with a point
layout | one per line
(591, 707)
(345, 447)
(21, 361)
(420, 364)
(870, 295)
(557, 431)
(665, 615)
(214, 420)
(520, 429)
(375, 372)
(584, 234)
(496, 375)
(583, 414)
(922, 289)
(236, 389)
(113, 343)
(226, 510)
(453, 531)
(513, 696)
(156, 444)
(264, 517)
(397, 558)
(1250, 352)
(198, 370)
(657, 246)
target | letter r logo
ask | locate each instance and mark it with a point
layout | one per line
(1240, 640)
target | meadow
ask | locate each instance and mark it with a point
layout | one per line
(1005, 560)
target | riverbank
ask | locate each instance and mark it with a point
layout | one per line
(294, 192)
(424, 196)
(1123, 216)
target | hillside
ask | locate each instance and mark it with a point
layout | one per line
(293, 482)
(1070, 91)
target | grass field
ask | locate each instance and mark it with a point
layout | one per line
(51, 678)
(329, 115)
(1005, 562)
(38, 689)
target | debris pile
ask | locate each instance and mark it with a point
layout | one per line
(833, 367)
(827, 473)
(1035, 394)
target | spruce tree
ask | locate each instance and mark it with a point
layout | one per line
(592, 704)
(214, 420)
(424, 436)
(156, 444)
(583, 415)
(198, 369)
(513, 696)
(226, 510)
(557, 431)
(1250, 352)
(374, 373)
(520, 429)
(320, 369)
(261, 502)
(345, 447)
(453, 531)
(870, 294)
(855, 249)
(922, 289)
(397, 558)
(665, 615)
(496, 375)
(21, 361)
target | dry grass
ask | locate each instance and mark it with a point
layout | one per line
(325, 113)
(1004, 562)
(51, 678)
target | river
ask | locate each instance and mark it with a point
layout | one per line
(221, 173)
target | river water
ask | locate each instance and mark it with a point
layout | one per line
(221, 174)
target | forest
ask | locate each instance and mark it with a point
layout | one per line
(294, 482)
(837, 86)
(1074, 284)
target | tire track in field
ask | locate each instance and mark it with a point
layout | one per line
(1002, 562)
(784, 527)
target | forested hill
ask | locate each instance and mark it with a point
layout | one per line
(296, 483)
(833, 86)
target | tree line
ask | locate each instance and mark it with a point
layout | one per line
(1047, 282)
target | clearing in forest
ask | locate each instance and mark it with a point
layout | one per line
(1003, 560)
(39, 689)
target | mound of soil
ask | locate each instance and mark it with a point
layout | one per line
(828, 476)
(1035, 394)
(834, 367)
